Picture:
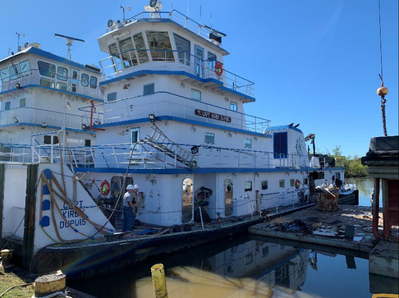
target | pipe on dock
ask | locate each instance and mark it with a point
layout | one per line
(158, 280)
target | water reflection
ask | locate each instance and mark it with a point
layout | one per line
(365, 187)
(244, 267)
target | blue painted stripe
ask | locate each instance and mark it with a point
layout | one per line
(51, 56)
(49, 126)
(193, 171)
(285, 127)
(53, 89)
(178, 73)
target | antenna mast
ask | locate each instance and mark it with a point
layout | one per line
(69, 40)
(19, 34)
(123, 9)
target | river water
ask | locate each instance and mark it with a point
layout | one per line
(249, 266)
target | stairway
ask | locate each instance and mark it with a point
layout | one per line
(159, 141)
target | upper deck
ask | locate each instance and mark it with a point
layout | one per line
(168, 43)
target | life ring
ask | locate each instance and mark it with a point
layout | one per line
(218, 69)
(104, 188)
(297, 183)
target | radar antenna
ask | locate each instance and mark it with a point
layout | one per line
(69, 40)
(123, 9)
(154, 6)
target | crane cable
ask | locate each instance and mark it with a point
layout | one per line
(382, 91)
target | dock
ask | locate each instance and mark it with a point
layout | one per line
(350, 227)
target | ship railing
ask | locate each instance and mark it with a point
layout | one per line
(11, 153)
(142, 155)
(164, 103)
(139, 155)
(44, 118)
(174, 15)
(138, 59)
(33, 78)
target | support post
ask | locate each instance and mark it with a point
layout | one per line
(158, 280)
(376, 203)
(30, 211)
(2, 176)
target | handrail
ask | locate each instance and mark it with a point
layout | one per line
(246, 122)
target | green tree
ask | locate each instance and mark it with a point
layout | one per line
(353, 166)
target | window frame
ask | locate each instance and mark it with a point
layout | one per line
(198, 92)
(49, 72)
(60, 76)
(209, 135)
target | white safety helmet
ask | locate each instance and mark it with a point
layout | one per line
(136, 186)
(130, 187)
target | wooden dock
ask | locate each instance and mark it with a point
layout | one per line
(350, 227)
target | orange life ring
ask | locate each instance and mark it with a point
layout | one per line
(297, 183)
(104, 188)
(218, 69)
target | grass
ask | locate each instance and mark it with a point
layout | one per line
(14, 277)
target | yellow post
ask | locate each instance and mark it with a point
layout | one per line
(158, 280)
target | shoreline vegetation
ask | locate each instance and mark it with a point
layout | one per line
(352, 164)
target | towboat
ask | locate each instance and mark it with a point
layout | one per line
(163, 112)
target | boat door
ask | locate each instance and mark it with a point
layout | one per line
(199, 60)
(187, 202)
(228, 197)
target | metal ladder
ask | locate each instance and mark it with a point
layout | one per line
(162, 143)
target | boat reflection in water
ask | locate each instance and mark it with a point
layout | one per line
(251, 268)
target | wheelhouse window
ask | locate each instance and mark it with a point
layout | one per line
(264, 184)
(111, 96)
(233, 106)
(248, 186)
(183, 48)
(46, 83)
(14, 71)
(160, 45)
(140, 45)
(84, 80)
(196, 94)
(149, 89)
(22, 102)
(61, 86)
(7, 106)
(46, 69)
(280, 145)
(62, 73)
(128, 54)
(209, 138)
(248, 143)
(93, 82)
(5, 75)
(116, 59)
(25, 68)
(211, 60)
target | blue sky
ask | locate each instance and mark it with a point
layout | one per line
(314, 62)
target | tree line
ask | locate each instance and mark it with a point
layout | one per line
(352, 164)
